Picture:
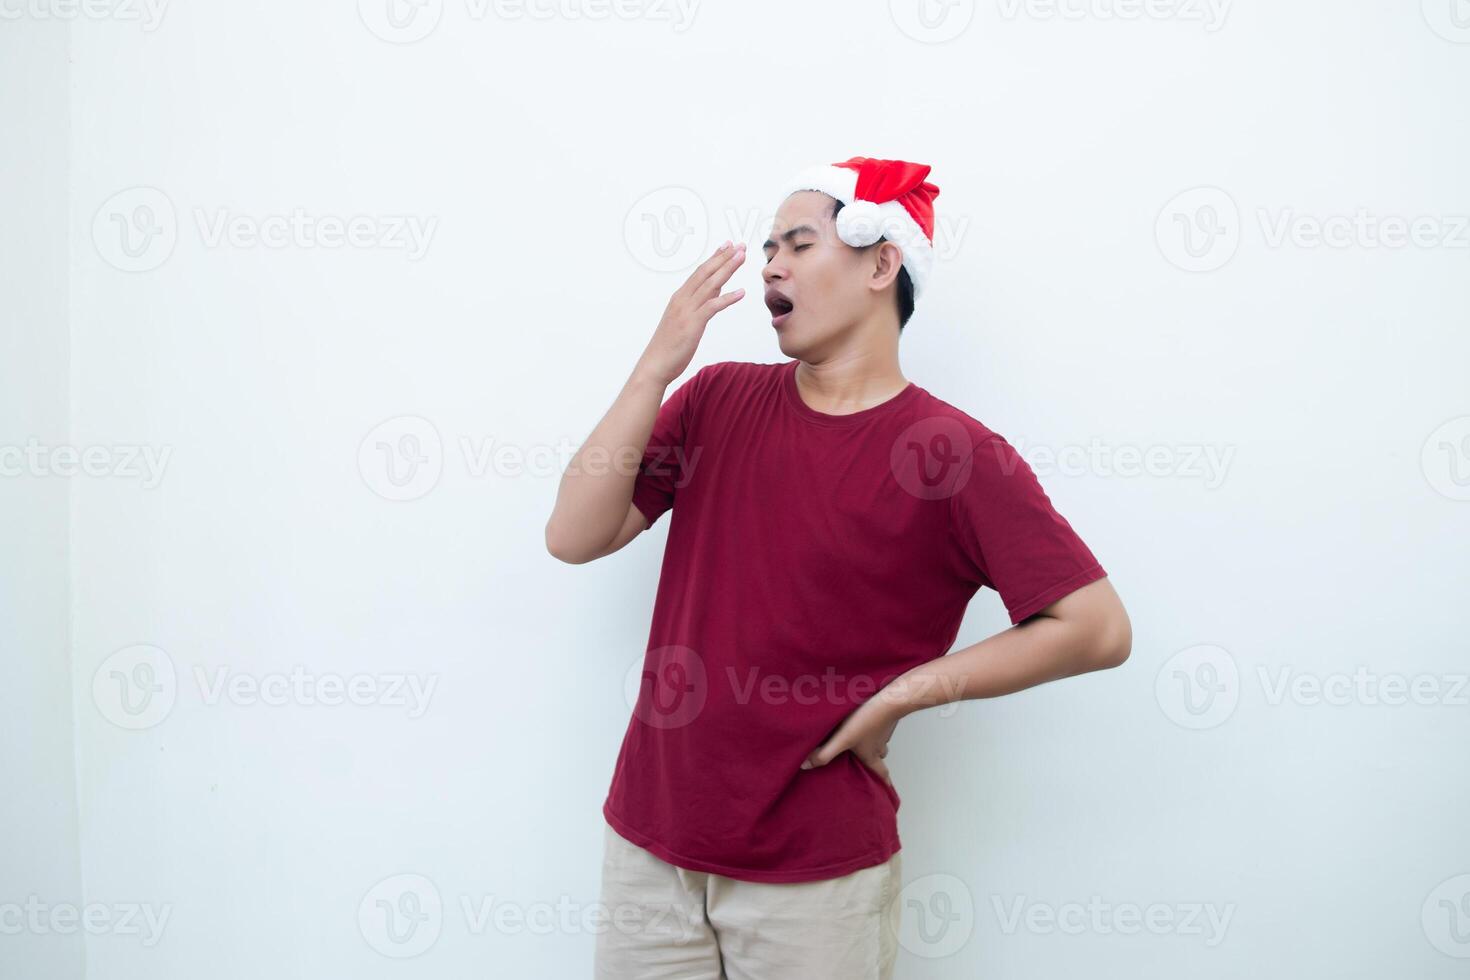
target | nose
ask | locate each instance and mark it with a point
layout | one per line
(773, 270)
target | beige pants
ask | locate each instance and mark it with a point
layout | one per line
(662, 922)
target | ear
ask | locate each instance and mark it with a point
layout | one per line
(888, 260)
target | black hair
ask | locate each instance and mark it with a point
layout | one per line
(905, 284)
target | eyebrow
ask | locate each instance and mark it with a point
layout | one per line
(787, 236)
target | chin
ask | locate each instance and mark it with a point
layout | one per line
(791, 344)
(800, 340)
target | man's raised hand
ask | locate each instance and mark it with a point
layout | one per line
(689, 310)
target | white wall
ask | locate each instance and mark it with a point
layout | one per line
(245, 522)
(40, 879)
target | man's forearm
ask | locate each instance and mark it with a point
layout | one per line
(1040, 649)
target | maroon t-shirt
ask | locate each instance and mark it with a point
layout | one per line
(811, 559)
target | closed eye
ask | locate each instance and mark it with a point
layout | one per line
(798, 248)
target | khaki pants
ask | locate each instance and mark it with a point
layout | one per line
(663, 922)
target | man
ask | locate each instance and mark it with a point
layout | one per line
(830, 522)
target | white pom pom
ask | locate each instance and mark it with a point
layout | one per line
(860, 223)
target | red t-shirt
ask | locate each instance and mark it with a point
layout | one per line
(811, 559)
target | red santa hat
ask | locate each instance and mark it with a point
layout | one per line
(881, 199)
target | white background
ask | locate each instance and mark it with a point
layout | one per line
(1113, 278)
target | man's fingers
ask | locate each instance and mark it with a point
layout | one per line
(821, 756)
(721, 273)
(720, 302)
(709, 265)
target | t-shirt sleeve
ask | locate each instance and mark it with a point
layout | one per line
(663, 469)
(1009, 531)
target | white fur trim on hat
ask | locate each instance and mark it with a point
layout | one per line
(861, 223)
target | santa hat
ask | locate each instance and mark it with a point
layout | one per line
(881, 199)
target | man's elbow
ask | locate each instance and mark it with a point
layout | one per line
(563, 550)
(1114, 641)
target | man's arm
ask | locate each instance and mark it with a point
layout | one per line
(1082, 632)
(594, 514)
(1085, 631)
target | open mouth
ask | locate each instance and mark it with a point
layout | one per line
(780, 308)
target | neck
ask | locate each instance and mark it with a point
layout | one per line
(859, 373)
